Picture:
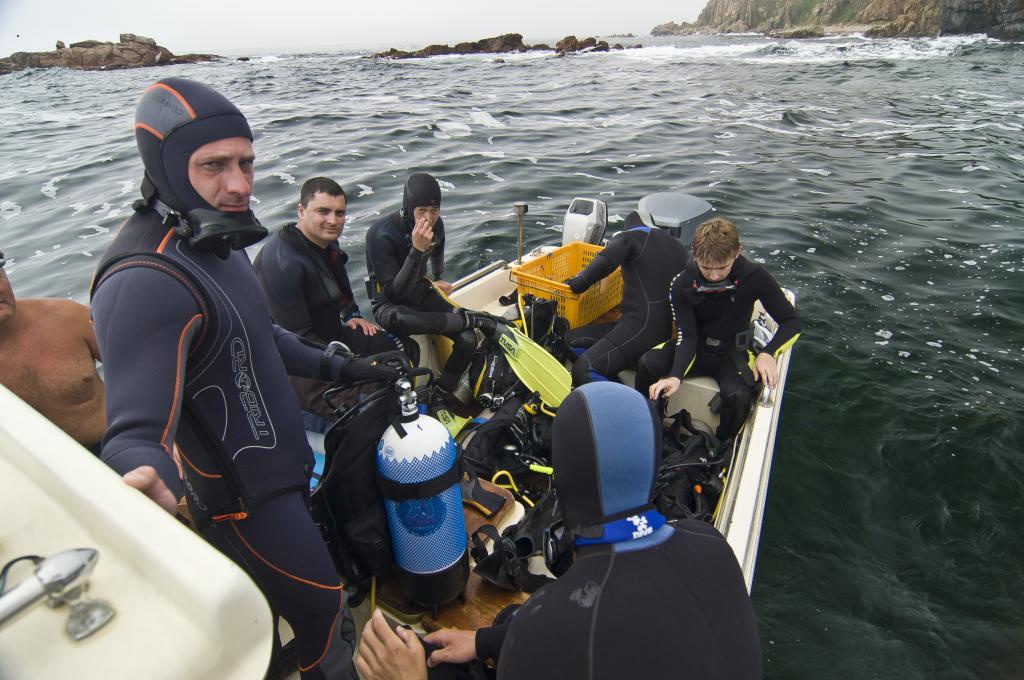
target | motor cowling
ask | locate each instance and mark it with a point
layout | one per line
(419, 478)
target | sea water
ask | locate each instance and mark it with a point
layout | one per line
(880, 180)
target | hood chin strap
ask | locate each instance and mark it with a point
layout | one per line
(148, 194)
(628, 528)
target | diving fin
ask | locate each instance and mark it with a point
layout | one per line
(539, 370)
(487, 502)
(452, 422)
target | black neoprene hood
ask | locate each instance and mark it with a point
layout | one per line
(174, 117)
(421, 190)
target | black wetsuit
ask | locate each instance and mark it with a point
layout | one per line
(714, 336)
(309, 293)
(191, 358)
(672, 604)
(407, 303)
(649, 257)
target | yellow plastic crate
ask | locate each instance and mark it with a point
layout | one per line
(544, 276)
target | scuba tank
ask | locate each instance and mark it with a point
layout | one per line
(419, 478)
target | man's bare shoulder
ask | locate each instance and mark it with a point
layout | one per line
(52, 306)
(50, 311)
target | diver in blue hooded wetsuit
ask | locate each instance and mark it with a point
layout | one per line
(399, 247)
(194, 365)
(642, 599)
(649, 257)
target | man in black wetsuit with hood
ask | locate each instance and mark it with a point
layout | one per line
(192, 359)
(712, 301)
(399, 247)
(649, 258)
(642, 599)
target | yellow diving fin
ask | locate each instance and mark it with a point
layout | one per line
(535, 366)
(452, 422)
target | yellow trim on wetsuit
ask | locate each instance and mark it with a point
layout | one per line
(786, 345)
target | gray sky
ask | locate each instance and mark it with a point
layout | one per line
(260, 25)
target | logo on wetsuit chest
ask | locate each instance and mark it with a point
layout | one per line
(251, 403)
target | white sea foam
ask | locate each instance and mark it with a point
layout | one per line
(97, 231)
(127, 186)
(9, 210)
(483, 118)
(364, 190)
(884, 334)
(485, 154)
(816, 171)
(445, 186)
(447, 129)
(492, 176)
(285, 177)
(50, 188)
(102, 209)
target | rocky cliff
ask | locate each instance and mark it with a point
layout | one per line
(131, 51)
(999, 18)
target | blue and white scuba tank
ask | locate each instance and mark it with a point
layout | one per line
(419, 479)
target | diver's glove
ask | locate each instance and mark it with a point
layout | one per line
(487, 323)
(575, 284)
(366, 368)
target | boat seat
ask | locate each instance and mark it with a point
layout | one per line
(694, 395)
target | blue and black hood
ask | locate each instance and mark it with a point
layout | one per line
(606, 447)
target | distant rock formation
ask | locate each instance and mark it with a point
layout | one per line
(508, 42)
(132, 51)
(570, 44)
(878, 18)
(672, 28)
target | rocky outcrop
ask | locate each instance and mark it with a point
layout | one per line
(879, 18)
(509, 42)
(672, 28)
(132, 51)
(570, 44)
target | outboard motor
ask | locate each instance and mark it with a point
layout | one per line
(419, 479)
(677, 213)
(585, 220)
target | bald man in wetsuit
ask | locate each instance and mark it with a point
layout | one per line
(47, 357)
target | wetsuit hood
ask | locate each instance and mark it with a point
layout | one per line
(606, 446)
(174, 117)
(420, 190)
(635, 219)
